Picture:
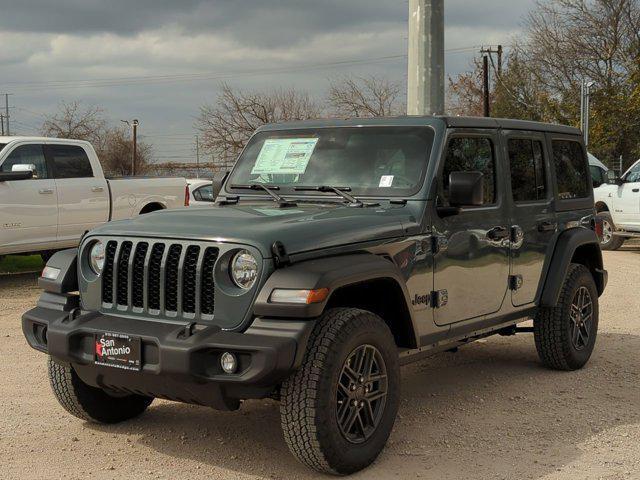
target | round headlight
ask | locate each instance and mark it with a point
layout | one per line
(96, 257)
(244, 269)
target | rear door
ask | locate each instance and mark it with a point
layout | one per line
(471, 269)
(83, 198)
(533, 221)
(28, 208)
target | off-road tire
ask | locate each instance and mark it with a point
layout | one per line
(552, 325)
(308, 398)
(89, 403)
(615, 241)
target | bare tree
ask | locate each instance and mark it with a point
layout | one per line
(117, 153)
(78, 122)
(365, 97)
(226, 125)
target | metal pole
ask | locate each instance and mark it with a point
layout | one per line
(500, 53)
(2, 124)
(135, 147)
(197, 157)
(582, 90)
(425, 81)
(6, 107)
(587, 100)
(485, 85)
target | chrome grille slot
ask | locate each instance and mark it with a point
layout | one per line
(166, 279)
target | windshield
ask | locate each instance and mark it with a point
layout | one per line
(370, 161)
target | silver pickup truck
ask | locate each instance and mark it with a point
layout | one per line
(52, 191)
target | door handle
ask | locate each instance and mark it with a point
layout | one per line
(97, 189)
(636, 190)
(45, 191)
(547, 226)
(498, 233)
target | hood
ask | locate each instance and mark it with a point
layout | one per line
(301, 228)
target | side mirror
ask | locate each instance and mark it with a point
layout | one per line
(16, 175)
(466, 189)
(218, 182)
(613, 178)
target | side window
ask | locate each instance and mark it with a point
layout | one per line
(634, 174)
(27, 155)
(472, 154)
(70, 161)
(527, 170)
(204, 194)
(571, 170)
(597, 175)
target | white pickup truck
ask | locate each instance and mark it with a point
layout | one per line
(52, 191)
(618, 205)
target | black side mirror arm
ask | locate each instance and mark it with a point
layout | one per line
(444, 212)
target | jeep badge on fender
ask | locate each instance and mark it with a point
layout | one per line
(336, 250)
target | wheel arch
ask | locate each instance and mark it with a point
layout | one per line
(153, 206)
(365, 281)
(602, 206)
(576, 245)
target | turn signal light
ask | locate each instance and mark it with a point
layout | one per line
(300, 297)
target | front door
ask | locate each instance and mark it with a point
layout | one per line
(28, 208)
(533, 222)
(471, 267)
(627, 199)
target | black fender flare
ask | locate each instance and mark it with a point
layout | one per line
(566, 246)
(332, 273)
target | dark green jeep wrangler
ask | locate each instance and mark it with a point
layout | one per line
(337, 251)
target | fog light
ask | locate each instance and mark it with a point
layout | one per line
(228, 362)
(50, 273)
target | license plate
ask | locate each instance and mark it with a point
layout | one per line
(118, 351)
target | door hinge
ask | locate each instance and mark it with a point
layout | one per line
(439, 298)
(515, 282)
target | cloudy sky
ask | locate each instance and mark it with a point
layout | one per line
(159, 60)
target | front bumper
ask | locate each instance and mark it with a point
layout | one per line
(179, 361)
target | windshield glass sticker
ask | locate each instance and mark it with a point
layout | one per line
(284, 156)
(386, 181)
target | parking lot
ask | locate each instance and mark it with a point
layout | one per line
(488, 411)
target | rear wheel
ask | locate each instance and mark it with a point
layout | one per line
(566, 334)
(609, 241)
(339, 408)
(90, 403)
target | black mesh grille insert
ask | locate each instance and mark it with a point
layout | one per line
(137, 280)
(155, 262)
(171, 278)
(107, 272)
(123, 273)
(189, 272)
(207, 301)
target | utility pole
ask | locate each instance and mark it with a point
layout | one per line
(197, 157)
(2, 124)
(485, 86)
(500, 53)
(6, 112)
(425, 81)
(135, 147)
(585, 108)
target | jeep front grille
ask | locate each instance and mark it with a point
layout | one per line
(159, 278)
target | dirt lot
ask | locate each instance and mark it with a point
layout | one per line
(489, 411)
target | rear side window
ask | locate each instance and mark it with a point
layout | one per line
(70, 161)
(527, 170)
(472, 154)
(571, 170)
(27, 155)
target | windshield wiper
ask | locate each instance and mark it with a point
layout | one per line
(342, 191)
(282, 202)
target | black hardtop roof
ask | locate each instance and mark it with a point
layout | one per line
(449, 121)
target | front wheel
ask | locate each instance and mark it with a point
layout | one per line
(339, 408)
(609, 241)
(89, 403)
(566, 334)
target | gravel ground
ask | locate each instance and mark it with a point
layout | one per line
(489, 411)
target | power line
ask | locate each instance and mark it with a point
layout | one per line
(177, 78)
